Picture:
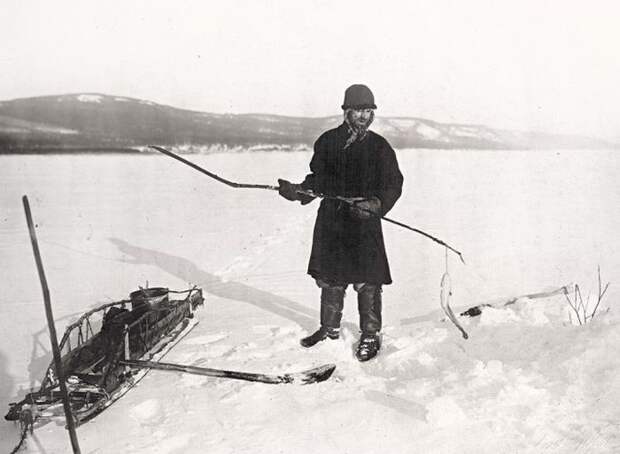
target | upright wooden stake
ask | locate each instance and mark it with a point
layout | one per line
(126, 354)
(52, 329)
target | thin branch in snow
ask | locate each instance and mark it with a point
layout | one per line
(600, 293)
(580, 308)
(573, 303)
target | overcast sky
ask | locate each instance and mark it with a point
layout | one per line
(538, 65)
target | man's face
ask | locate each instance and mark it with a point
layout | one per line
(360, 117)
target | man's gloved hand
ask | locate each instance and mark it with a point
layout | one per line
(367, 208)
(289, 190)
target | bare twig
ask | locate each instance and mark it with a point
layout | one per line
(573, 304)
(580, 305)
(580, 308)
(600, 293)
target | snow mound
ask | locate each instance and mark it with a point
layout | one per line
(525, 311)
(90, 98)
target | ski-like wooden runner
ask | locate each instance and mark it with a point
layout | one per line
(315, 375)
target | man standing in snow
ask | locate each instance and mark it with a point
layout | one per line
(357, 164)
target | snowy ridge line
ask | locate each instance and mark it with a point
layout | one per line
(108, 120)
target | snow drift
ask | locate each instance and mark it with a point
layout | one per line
(527, 379)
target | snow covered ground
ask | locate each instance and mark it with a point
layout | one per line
(527, 380)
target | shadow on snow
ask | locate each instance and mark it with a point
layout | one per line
(189, 272)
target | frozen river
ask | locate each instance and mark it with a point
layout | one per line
(525, 221)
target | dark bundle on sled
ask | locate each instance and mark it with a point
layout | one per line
(144, 327)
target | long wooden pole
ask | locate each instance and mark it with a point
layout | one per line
(52, 329)
(301, 191)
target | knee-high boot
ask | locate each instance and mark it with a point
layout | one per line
(369, 306)
(332, 302)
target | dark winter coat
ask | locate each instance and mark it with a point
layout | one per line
(346, 249)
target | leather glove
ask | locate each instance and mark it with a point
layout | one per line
(289, 190)
(367, 208)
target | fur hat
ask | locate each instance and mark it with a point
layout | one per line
(358, 96)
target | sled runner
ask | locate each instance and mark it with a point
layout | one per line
(144, 327)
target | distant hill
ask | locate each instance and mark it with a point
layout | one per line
(89, 121)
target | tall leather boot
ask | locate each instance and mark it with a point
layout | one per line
(332, 302)
(369, 305)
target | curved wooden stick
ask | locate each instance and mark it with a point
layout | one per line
(233, 184)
